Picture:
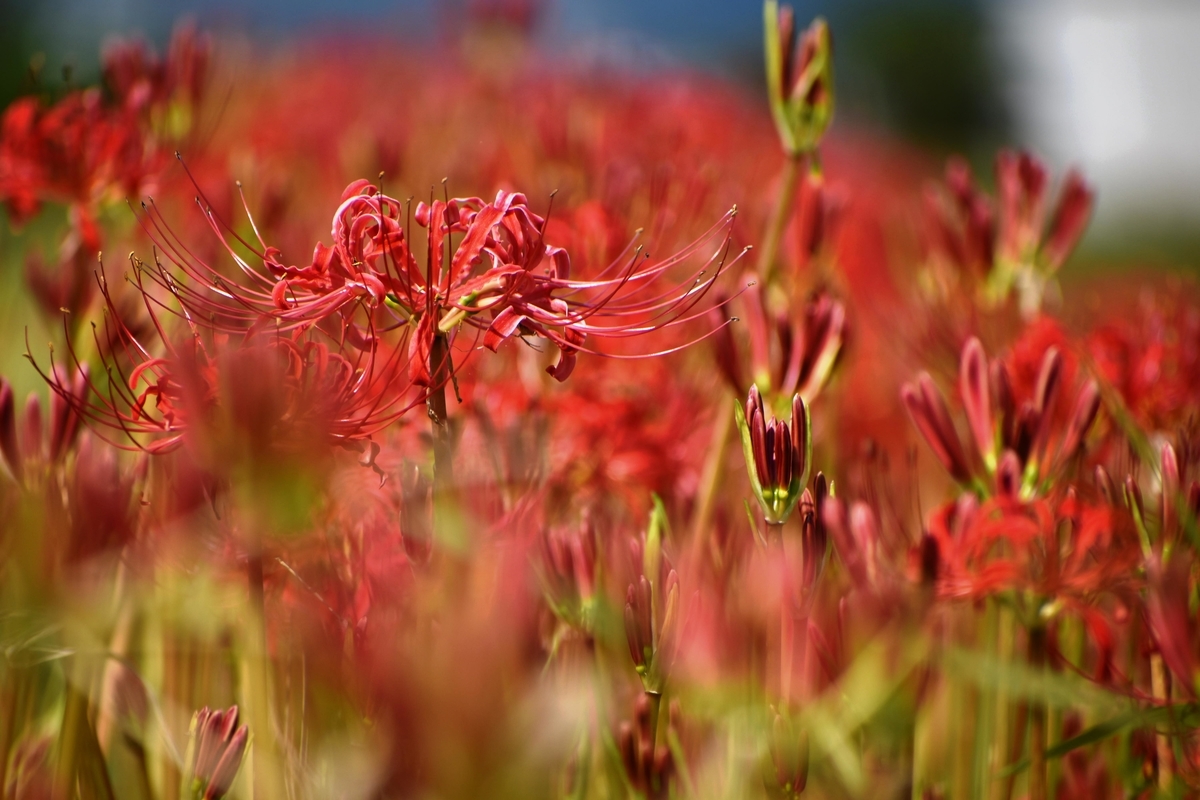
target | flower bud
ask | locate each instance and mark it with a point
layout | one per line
(799, 79)
(778, 455)
(929, 413)
(8, 431)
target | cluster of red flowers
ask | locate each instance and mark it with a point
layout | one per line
(956, 554)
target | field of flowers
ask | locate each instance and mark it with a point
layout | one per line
(623, 436)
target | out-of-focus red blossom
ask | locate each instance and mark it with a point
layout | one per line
(790, 352)
(26, 443)
(1067, 551)
(1172, 623)
(648, 767)
(1152, 358)
(568, 569)
(84, 152)
(101, 502)
(141, 81)
(1018, 446)
(274, 387)
(974, 234)
(608, 442)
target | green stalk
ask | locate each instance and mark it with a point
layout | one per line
(443, 446)
(1158, 683)
(8, 718)
(710, 481)
(655, 707)
(779, 218)
(1037, 717)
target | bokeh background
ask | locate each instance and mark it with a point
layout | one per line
(1101, 84)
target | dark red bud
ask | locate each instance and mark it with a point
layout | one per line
(32, 435)
(930, 560)
(1087, 405)
(1008, 476)
(928, 411)
(8, 430)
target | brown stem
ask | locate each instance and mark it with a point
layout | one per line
(1016, 745)
(1159, 686)
(443, 446)
(710, 481)
(655, 708)
(1037, 718)
(8, 718)
(779, 218)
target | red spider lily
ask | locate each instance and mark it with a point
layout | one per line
(814, 539)
(501, 279)
(1066, 551)
(77, 151)
(1171, 621)
(569, 572)
(778, 455)
(271, 383)
(1012, 441)
(141, 81)
(1004, 243)
(1151, 358)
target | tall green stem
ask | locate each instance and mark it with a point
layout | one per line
(443, 446)
(779, 218)
(710, 480)
(1037, 717)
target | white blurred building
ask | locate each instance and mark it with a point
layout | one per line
(1113, 87)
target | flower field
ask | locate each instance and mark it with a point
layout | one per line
(452, 421)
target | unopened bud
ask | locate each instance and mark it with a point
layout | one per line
(799, 78)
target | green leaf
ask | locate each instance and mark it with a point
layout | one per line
(1110, 727)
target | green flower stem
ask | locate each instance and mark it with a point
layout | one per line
(443, 446)
(779, 219)
(1037, 718)
(710, 481)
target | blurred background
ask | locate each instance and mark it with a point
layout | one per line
(1101, 84)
